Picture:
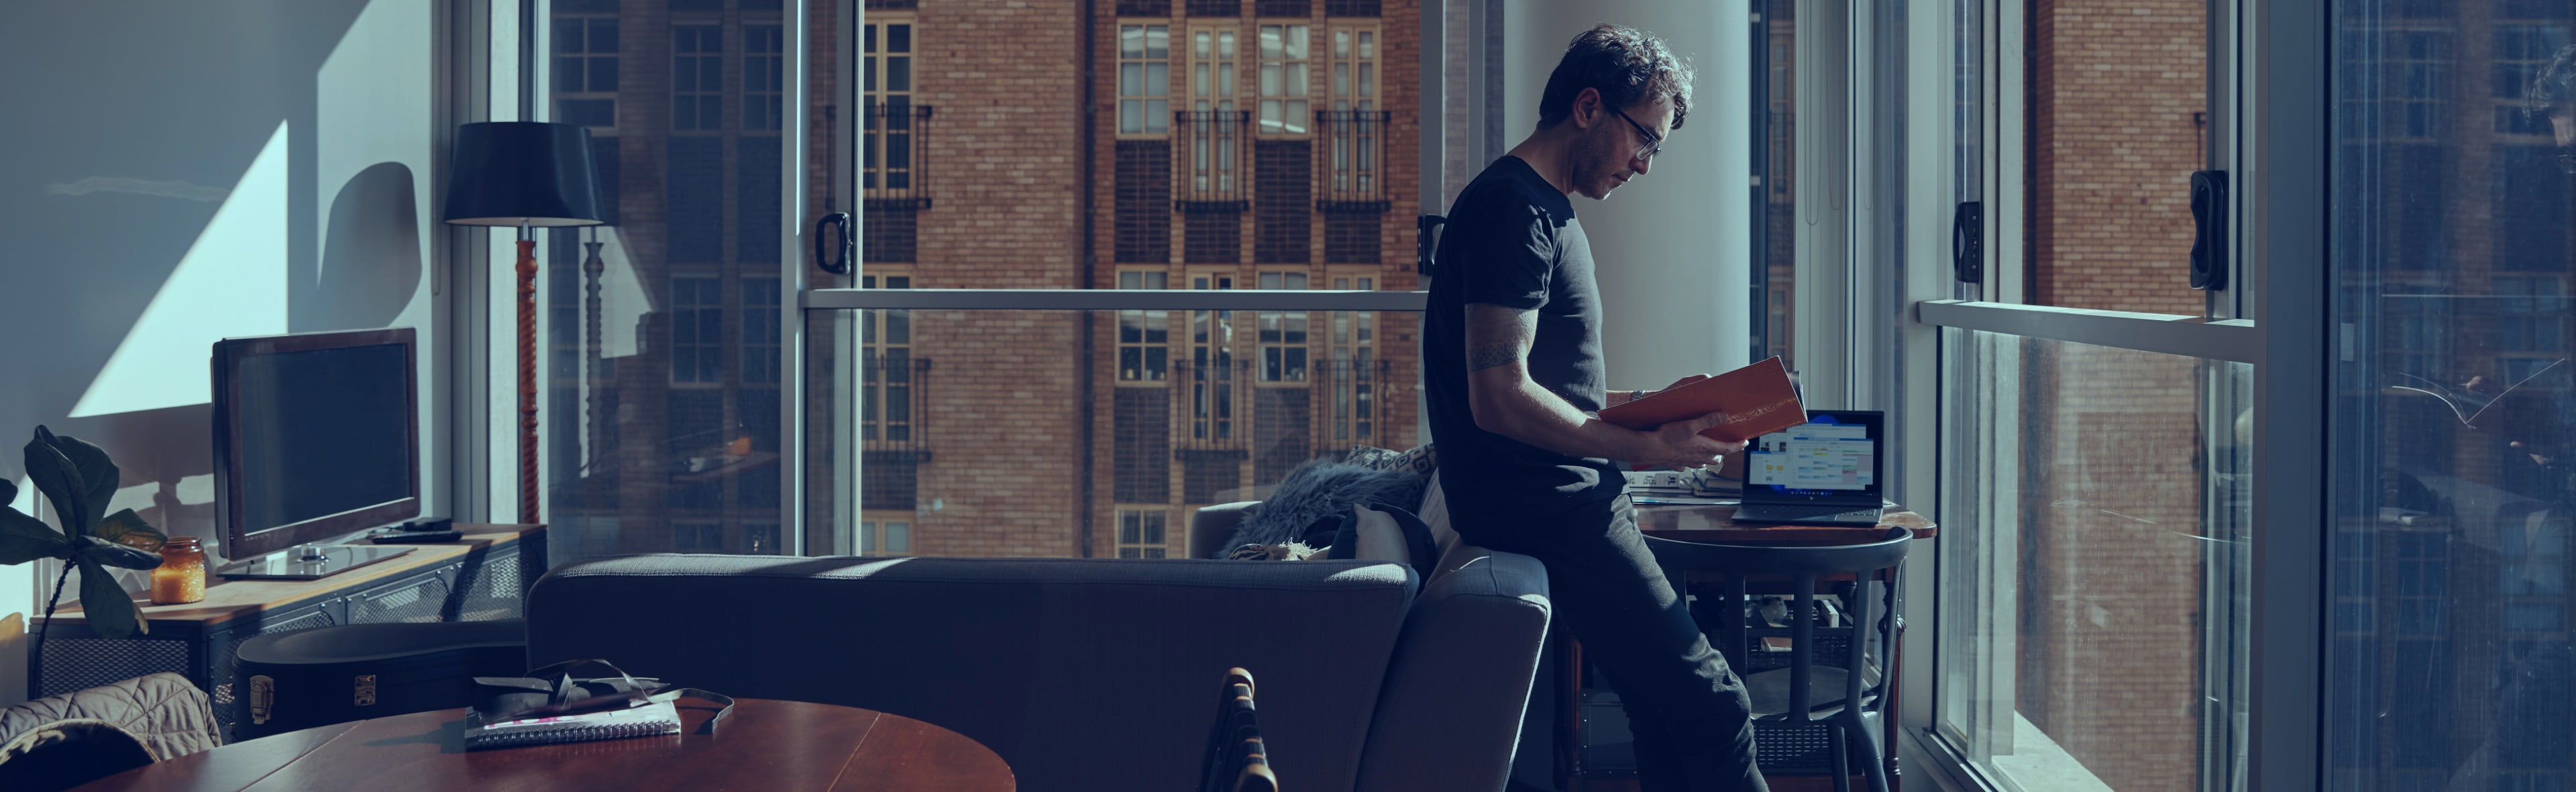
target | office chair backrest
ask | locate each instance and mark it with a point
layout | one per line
(1236, 761)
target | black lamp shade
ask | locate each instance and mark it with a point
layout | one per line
(512, 173)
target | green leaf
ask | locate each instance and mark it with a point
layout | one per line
(96, 470)
(8, 492)
(127, 528)
(60, 480)
(110, 610)
(24, 539)
(96, 550)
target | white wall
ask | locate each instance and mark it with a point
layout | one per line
(1672, 246)
(175, 173)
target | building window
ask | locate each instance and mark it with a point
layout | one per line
(585, 71)
(1144, 337)
(1144, 79)
(697, 78)
(886, 367)
(2520, 52)
(764, 75)
(1283, 333)
(1212, 366)
(760, 330)
(697, 537)
(697, 328)
(1355, 124)
(881, 538)
(1283, 79)
(888, 117)
(1354, 366)
(1140, 534)
(1214, 126)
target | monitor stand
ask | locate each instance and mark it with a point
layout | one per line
(308, 562)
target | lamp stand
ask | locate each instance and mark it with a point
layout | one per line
(527, 377)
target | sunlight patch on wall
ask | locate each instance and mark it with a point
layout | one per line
(232, 282)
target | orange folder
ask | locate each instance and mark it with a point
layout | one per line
(1757, 400)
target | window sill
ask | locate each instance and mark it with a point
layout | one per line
(2037, 763)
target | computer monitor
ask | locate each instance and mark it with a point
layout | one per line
(317, 435)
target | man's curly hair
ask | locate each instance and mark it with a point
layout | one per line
(1628, 66)
(2554, 84)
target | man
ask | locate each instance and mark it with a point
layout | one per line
(1511, 352)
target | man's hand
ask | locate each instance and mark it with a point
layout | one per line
(1680, 446)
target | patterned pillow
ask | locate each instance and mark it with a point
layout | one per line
(1418, 461)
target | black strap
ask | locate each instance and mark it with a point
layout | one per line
(674, 694)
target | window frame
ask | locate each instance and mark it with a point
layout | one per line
(2273, 319)
(1296, 109)
(1151, 124)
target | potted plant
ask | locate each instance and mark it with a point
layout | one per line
(77, 478)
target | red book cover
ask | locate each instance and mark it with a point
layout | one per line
(1757, 400)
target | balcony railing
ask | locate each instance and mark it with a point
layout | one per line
(891, 172)
(1349, 174)
(894, 395)
(1212, 178)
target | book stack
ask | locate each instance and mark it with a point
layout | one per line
(1698, 487)
(649, 719)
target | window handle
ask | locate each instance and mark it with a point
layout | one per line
(1968, 243)
(2209, 230)
(847, 249)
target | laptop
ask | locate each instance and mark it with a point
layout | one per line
(1826, 471)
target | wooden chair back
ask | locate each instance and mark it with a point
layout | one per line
(1236, 761)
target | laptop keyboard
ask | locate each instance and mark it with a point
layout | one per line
(1800, 512)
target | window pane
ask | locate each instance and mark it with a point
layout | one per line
(2117, 126)
(2449, 662)
(2098, 582)
(662, 406)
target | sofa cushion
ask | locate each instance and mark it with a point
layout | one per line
(1081, 673)
(1450, 715)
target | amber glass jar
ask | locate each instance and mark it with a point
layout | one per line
(182, 574)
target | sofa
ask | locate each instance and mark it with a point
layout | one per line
(1100, 674)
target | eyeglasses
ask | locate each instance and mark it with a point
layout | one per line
(1654, 143)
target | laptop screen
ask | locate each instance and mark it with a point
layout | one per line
(1829, 456)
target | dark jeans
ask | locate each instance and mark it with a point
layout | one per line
(1688, 711)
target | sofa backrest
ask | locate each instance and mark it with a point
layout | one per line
(1450, 716)
(1081, 673)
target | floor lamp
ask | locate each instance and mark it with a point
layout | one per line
(528, 175)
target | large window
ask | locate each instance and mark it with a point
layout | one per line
(2095, 454)
(666, 426)
(2449, 661)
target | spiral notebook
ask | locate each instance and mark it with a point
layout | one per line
(644, 721)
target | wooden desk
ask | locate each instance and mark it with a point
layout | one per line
(763, 745)
(482, 576)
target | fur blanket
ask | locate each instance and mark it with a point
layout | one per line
(1321, 491)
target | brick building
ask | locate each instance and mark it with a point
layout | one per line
(1231, 145)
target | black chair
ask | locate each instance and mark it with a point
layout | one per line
(1236, 761)
(1830, 690)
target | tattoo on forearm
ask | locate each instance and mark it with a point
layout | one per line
(1491, 355)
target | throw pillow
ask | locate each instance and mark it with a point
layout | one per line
(1417, 462)
(1314, 491)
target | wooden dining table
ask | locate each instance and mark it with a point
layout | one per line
(764, 744)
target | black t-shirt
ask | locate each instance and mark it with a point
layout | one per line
(1511, 240)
